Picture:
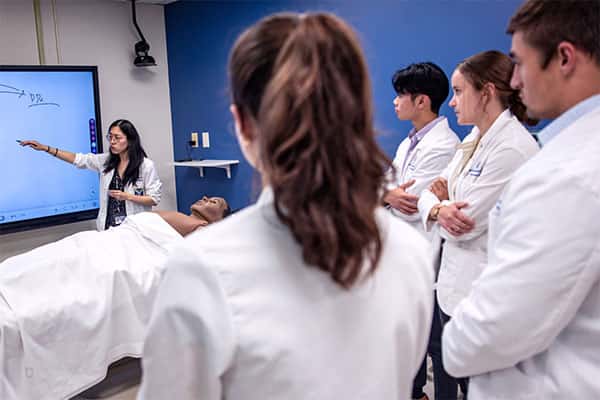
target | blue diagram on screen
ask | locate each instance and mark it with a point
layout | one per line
(56, 108)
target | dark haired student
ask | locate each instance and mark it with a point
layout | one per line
(129, 183)
(314, 292)
(421, 157)
(421, 89)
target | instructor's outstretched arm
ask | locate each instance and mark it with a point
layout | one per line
(55, 151)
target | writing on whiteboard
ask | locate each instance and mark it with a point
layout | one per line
(35, 99)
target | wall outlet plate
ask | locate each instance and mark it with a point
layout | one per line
(194, 139)
(205, 140)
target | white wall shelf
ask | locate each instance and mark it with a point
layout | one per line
(201, 164)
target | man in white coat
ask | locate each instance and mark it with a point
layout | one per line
(530, 328)
(420, 158)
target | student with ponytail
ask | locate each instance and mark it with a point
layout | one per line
(457, 204)
(314, 292)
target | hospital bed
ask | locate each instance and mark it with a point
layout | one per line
(71, 308)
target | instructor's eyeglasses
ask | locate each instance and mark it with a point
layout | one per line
(116, 138)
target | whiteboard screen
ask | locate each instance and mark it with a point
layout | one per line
(57, 106)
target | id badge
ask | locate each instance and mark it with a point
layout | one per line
(138, 190)
(474, 172)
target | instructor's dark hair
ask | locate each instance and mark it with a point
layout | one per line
(423, 78)
(303, 81)
(134, 150)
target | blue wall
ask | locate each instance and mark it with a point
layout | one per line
(393, 34)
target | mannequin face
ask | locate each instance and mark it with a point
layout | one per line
(118, 140)
(209, 208)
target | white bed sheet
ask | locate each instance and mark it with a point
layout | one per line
(70, 308)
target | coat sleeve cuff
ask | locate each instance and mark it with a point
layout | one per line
(426, 202)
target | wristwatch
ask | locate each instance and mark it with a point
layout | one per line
(435, 211)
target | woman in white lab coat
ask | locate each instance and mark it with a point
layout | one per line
(129, 183)
(314, 292)
(458, 203)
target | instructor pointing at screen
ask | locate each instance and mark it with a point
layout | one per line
(129, 183)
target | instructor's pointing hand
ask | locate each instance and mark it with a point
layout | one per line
(34, 144)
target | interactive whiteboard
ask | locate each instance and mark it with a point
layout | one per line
(57, 106)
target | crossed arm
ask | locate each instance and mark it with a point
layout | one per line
(405, 196)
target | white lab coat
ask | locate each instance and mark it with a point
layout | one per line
(424, 164)
(148, 182)
(530, 329)
(504, 148)
(241, 316)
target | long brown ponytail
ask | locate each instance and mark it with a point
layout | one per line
(304, 81)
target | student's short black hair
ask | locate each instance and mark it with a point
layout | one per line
(423, 78)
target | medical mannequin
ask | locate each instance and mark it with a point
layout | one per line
(203, 212)
(315, 291)
(94, 292)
